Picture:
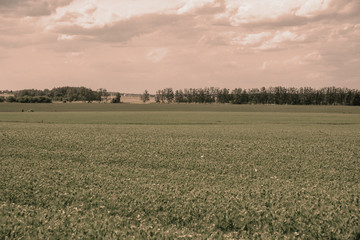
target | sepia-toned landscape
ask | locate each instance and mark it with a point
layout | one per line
(182, 119)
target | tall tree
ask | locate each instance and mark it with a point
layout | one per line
(145, 97)
(117, 98)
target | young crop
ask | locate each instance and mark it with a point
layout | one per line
(180, 175)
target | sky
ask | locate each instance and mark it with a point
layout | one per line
(133, 45)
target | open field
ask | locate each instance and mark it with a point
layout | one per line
(105, 107)
(135, 99)
(120, 171)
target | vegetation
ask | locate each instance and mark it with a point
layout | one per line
(65, 94)
(272, 95)
(54, 107)
(117, 98)
(179, 171)
(11, 99)
(145, 97)
(35, 99)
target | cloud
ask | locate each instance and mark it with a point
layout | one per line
(279, 40)
(310, 7)
(205, 42)
(309, 58)
(156, 55)
(120, 31)
(253, 39)
(64, 37)
(265, 40)
(272, 14)
(212, 40)
(22, 8)
(191, 5)
(203, 7)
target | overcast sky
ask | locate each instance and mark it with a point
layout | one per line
(133, 45)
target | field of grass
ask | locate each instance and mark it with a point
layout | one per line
(119, 171)
(135, 99)
(105, 107)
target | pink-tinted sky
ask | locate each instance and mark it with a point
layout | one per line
(133, 45)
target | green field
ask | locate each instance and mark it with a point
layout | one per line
(179, 171)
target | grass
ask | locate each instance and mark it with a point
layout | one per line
(103, 107)
(180, 171)
(136, 99)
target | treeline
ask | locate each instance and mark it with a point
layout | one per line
(27, 99)
(64, 94)
(271, 95)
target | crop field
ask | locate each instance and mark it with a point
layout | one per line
(168, 171)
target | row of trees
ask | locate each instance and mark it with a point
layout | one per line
(271, 95)
(65, 94)
(27, 99)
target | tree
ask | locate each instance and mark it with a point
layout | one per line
(11, 99)
(223, 96)
(179, 96)
(158, 96)
(236, 99)
(145, 97)
(117, 98)
(169, 94)
(104, 94)
(356, 99)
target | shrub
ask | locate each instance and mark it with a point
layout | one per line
(11, 99)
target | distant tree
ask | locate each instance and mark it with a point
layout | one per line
(179, 96)
(236, 99)
(166, 94)
(188, 96)
(356, 99)
(117, 98)
(169, 94)
(209, 98)
(104, 94)
(11, 99)
(330, 95)
(158, 96)
(69, 94)
(2, 99)
(223, 96)
(349, 97)
(34, 99)
(145, 97)
(29, 92)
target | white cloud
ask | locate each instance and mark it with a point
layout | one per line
(156, 55)
(250, 39)
(240, 12)
(191, 5)
(313, 56)
(279, 38)
(265, 40)
(270, 65)
(309, 58)
(311, 6)
(65, 37)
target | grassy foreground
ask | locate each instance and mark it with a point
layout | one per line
(180, 171)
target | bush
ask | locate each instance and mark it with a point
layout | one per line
(35, 99)
(11, 99)
(2, 99)
(116, 99)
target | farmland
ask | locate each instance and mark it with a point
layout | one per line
(179, 171)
